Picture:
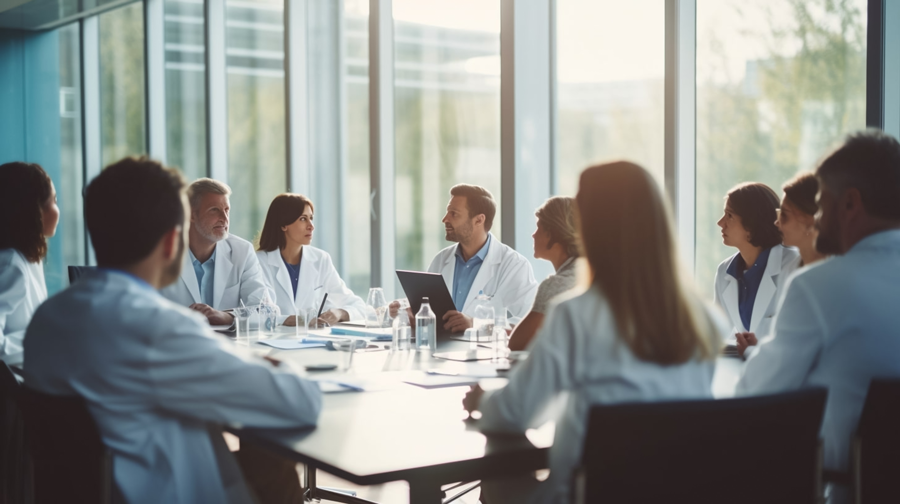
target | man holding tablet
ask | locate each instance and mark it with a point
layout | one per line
(479, 262)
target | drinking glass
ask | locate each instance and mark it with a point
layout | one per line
(346, 348)
(376, 307)
(242, 325)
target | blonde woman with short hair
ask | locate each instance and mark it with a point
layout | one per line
(555, 240)
(639, 333)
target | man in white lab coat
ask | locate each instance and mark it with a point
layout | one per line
(156, 379)
(479, 262)
(220, 270)
(837, 325)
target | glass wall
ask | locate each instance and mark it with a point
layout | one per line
(447, 115)
(256, 110)
(122, 121)
(67, 247)
(186, 87)
(778, 81)
(610, 70)
(356, 89)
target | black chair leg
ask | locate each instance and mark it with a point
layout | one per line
(314, 492)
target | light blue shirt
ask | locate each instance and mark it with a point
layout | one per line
(205, 276)
(465, 272)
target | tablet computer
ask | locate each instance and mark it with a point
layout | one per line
(418, 285)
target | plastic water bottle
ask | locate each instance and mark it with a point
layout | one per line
(426, 328)
(483, 321)
(267, 312)
(401, 332)
(499, 345)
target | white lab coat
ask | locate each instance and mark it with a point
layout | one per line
(782, 262)
(505, 275)
(317, 278)
(22, 290)
(158, 381)
(604, 371)
(836, 328)
(237, 277)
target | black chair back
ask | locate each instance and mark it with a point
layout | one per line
(14, 474)
(76, 272)
(751, 450)
(876, 448)
(70, 462)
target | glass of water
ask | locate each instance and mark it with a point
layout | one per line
(376, 307)
(242, 318)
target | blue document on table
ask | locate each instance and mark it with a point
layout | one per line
(292, 344)
(374, 334)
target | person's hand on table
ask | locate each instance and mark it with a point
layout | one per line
(334, 315)
(393, 308)
(291, 321)
(215, 317)
(455, 321)
(745, 340)
(473, 398)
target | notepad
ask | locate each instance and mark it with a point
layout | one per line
(429, 381)
(291, 344)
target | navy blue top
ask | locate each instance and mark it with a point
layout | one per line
(748, 283)
(294, 274)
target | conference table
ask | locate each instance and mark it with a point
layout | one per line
(392, 431)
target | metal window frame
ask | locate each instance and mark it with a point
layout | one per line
(381, 143)
(155, 78)
(681, 122)
(90, 112)
(296, 95)
(883, 66)
(216, 90)
(526, 123)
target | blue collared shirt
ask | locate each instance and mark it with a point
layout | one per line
(205, 275)
(748, 283)
(465, 272)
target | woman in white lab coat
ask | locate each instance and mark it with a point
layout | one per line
(301, 274)
(28, 216)
(639, 333)
(796, 221)
(748, 284)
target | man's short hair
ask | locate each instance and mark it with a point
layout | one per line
(757, 206)
(868, 161)
(130, 206)
(478, 201)
(203, 186)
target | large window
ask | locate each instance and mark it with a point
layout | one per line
(778, 81)
(447, 115)
(122, 122)
(256, 110)
(610, 66)
(67, 247)
(185, 87)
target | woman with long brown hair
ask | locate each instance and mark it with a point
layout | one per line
(28, 217)
(300, 274)
(639, 333)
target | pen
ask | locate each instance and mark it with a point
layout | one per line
(322, 307)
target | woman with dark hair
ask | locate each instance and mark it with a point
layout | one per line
(639, 333)
(28, 216)
(748, 283)
(301, 274)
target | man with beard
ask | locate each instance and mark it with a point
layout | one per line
(155, 378)
(220, 269)
(836, 326)
(479, 262)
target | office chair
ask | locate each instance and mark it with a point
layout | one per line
(14, 475)
(875, 453)
(70, 463)
(76, 272)
(759, 449)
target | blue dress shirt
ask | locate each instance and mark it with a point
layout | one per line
(465, 272)
(748, 283)
(205, 275)
(293, 274)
